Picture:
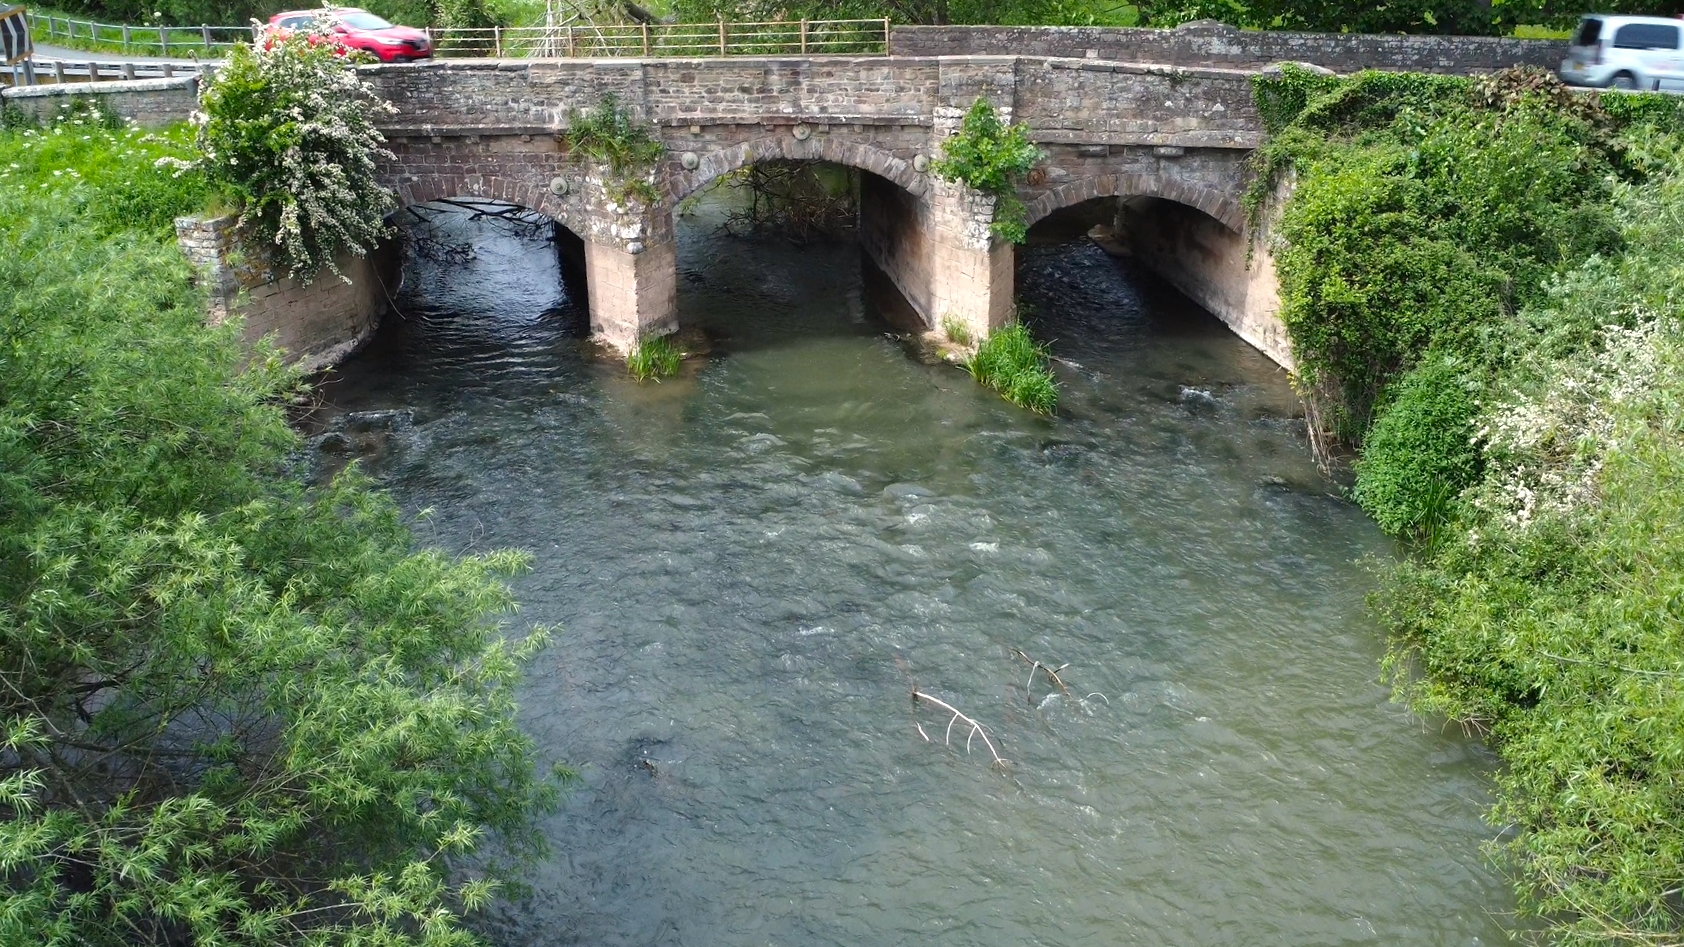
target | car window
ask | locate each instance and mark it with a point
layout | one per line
(1646, 36)
(364, 21)
(297, 22)
(1590, 30)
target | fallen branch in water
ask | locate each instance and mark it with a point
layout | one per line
(974, 728)
(1052, 675)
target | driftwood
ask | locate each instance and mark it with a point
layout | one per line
(972, 728)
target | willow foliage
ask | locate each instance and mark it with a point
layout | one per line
(233, 710)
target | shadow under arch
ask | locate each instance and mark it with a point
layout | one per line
(1217, 205)
(787, 147)
(421, 220)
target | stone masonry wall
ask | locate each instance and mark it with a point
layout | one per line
(1228, 272)
(1218, 45)
(317, 324)
(149, 102)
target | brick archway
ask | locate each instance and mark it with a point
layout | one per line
(827, 147)
(1215, 203)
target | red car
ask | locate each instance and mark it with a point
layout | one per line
(352, 28)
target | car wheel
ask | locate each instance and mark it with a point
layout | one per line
(1623, 80)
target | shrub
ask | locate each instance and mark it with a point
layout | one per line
(655, 358)
(288, 128)
(1011, 362)
(1423, 207)
(1549, 613)
(1420, 456)
(989, 155)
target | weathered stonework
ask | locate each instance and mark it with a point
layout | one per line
(497, 130)
(316, 324)
(151, 103)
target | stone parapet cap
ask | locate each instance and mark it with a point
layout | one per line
(1144, 68)
(1230, 140)
(103, 87)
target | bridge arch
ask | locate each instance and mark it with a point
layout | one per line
(1223, 208)
(532, 195)
(827, 147)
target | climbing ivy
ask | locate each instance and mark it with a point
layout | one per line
(608, 135)
(990, 155)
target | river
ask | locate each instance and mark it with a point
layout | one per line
(752, 566)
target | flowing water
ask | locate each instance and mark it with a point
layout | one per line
(754, 565)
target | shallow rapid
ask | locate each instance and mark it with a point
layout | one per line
(753, 565)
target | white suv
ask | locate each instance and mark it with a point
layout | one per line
(1626, 52)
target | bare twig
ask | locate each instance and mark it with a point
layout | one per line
(1051, 672)
(973, 731)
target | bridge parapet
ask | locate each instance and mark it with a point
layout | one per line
(1215, 44)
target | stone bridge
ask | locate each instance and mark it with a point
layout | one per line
(1176, 137)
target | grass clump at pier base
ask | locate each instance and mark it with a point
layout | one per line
(1011, 362)
(654, 359)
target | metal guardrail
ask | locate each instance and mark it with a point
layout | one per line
(68, 70)
(769, 38)
(134, 39)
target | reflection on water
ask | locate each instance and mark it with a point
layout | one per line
(755, 563)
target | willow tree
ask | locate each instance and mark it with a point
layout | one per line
(234, 709)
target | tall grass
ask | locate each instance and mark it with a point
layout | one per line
(655, 359)
(1011, 362)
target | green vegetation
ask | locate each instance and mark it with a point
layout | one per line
(238, 710)
(655, 358)
(1448, 17)
(956, 331)
(1484, 282)
(1011, 362)
(610, 137)
(290, 131)
(989, 155)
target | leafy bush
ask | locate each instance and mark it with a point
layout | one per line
(1546, 608)
(289, 129)
(608, 135)
(237, 711)
(1011, 362)
(989, 155)
(1425, 206)
(1420, 453)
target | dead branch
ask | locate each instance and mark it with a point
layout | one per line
(973, 731)
(1051, 672)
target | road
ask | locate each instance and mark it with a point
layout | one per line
(46, 53)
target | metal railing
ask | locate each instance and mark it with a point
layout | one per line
(166, 40)
(39, 72)
(771, 38)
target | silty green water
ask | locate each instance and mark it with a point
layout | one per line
(755, 564)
